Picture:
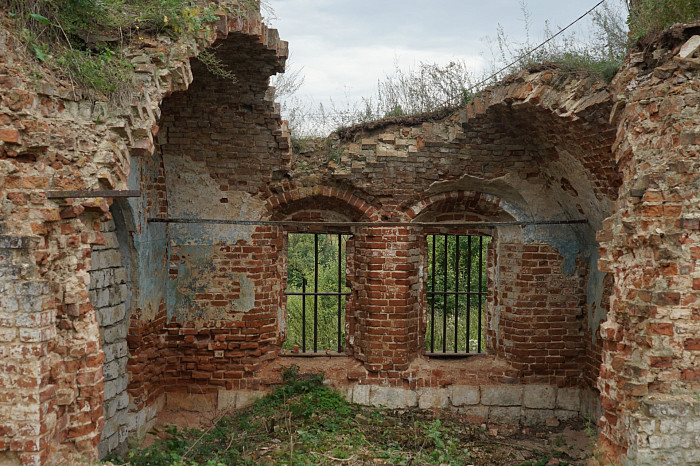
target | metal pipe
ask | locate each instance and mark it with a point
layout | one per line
(444, 303)
(469, 287)
(315, 292)
(481, 268)
(456, 290)
(303, 315)
(284, 223)
(432, 303)
(340, 277)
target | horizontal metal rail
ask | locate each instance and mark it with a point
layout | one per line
(319, 293)
(92, 194)
(285, 223)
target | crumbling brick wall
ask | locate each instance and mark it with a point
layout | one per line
(487, 162)
(649, 377)
(60, 363)
(206, 316)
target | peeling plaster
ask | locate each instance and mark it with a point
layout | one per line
(195, 275)
(594, 293)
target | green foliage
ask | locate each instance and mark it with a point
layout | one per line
(655, 15)
(215, 66)
(103, 73)
(303, 421)
(82, 39)
(599, 55)
(468, 277)
(300, 268)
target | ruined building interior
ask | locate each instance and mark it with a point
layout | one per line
(119, 297)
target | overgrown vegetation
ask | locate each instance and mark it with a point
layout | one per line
(304, 421)
(432, 86)
(83, 40)
(651, 16)
(301, 276)
(468, 276)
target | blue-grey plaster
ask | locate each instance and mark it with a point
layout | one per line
(150, 239)
(594, 293)
(194, 272)
(208, 234)
(563, 238)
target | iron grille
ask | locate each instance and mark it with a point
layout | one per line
(324, 266)
(457, 293)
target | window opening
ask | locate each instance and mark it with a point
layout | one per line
(316, 292)
(457, 288)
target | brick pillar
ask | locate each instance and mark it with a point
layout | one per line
(387, 313)
(649, 378)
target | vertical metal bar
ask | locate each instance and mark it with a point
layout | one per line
(469, 289)
(432, 303)
(303, 315)
(456, 292)
(340, 277)
(444, 303)
(481, 268)
(315, 292)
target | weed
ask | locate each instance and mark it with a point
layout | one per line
(215, 66)
(655, 15)
(103, 73)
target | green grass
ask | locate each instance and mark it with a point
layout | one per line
(304, 421)
(656, 15)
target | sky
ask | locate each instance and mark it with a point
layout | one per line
(343, 47)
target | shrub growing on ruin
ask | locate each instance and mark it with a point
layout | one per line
(650, 16)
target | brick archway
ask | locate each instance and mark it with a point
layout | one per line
(320, 198)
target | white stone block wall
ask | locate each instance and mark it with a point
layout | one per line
(108, 295)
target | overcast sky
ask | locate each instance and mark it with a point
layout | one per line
(344, 46)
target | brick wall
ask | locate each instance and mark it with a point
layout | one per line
(649, 376)
(540, 314)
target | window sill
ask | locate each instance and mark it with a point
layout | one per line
(319, 354)
(453, 355)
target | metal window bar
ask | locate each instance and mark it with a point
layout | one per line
(316, 294)
(474, 289)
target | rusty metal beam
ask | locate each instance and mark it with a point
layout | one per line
(284, 223)
(92, 194)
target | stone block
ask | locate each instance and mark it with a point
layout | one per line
(113, 369)
(122, 400)
(391, 397)
(360, 394)
(509, 414)
(532, 417)
(565, 415)
(115, 333)
(234, 399)
(464, 395)
(115, 350)
(115, 387)
(196, 401)
(107, 316)
(502, 395)
(569, 399)
(691, 46)
(110, 408)
(247, 398)
(429, 398)
(539, 396)
(110, 427)
(117, 295)
(478, 412)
